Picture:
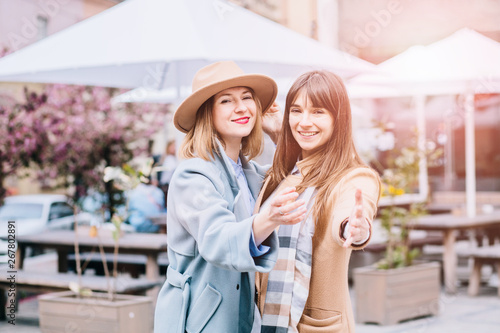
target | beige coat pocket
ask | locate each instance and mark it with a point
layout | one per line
(320, 321)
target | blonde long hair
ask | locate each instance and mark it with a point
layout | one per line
(201, 142)
(336, 158)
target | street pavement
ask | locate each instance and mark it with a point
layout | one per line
(458, 313)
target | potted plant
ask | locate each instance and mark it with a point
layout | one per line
(81, 309)
(398, 287)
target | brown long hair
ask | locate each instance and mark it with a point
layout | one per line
(336, 158)
(201, 142)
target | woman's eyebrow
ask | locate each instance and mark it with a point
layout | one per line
(231, 94)
(225, 95)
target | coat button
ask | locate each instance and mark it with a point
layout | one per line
(237, 287)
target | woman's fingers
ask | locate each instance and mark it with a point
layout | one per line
(358, 226)
(358, 231)
(288, 194)
(286, 209)
(348, 242)
(358, 204)
(291, 206)
(288, 213)
(295, 216)
(357, 213)
(353, 235)
(286, 201)
(274, 108)
(287, 190)
(358, 197)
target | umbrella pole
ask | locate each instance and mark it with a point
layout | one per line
(449, 168)
(423, 178)
(470, 156)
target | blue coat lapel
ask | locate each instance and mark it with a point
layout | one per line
(239, 206)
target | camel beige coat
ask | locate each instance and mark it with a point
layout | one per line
(328, 307)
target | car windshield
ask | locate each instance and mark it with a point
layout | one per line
(21, 211)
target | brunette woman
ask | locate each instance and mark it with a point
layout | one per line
(307, 291)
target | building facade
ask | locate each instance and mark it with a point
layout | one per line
(377, 30)
(26, 21)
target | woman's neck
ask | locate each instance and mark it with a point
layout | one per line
(232, 150)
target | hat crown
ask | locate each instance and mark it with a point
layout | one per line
(216, 77)
(214, 73)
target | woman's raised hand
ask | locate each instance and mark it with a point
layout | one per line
(359, 228)
(272, 121)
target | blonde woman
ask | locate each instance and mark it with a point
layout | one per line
(307, 291)
(215, 245)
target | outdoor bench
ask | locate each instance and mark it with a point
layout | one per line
(47, 282)
(134, 264)
(414, 243)
(458, 198)
(480, 256)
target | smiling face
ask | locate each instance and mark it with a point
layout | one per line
(234, 114)
(311, 126)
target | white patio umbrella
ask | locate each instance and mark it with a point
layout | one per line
(171, 95)
(177, 94)
(464, 63)
(160, 44)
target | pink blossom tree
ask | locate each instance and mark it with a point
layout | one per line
(87, 134)
(71, 133)
(17, 141)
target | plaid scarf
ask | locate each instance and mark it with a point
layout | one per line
(288, 283)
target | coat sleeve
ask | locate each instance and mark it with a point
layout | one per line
(200, 220)
(343, 200)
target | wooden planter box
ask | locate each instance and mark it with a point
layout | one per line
(64, 312)
(389, 296)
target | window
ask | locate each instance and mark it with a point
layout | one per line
(20, 211)
(59, 210)
(42, 26)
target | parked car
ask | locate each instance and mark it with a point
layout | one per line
(36, 213)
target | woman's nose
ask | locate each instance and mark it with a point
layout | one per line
(240, 106)
(305, 121)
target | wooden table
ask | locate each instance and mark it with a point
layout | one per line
(63, 241)
(449, 225)
(159, 220)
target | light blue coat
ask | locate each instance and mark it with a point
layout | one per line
(210, 280)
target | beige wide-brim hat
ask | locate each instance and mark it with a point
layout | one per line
(216, 77)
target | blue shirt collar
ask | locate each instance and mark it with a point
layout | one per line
(237, 166)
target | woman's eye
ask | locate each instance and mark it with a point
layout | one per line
(294, 110)
(248, 97)
(224, 101)
(319, 111)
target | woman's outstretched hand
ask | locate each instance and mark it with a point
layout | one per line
(272, 121)
(359, 228)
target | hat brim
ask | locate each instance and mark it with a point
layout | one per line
(264, 87)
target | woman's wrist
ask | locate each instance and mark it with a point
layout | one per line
(262, 228)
